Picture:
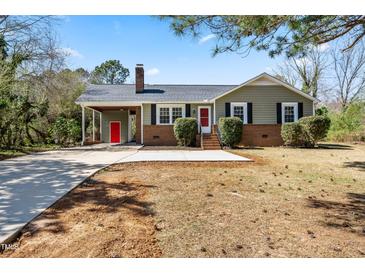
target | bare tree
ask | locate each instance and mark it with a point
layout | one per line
(349, 74)
(34, 38)
(28, 50)
(307, 73)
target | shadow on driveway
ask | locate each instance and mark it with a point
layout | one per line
(28, 186)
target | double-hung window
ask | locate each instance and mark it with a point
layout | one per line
(239, 110)
(176, 113)
(164, 117)
(167, 114)
(289, 112)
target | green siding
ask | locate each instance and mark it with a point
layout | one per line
(264, 99)
(146, 114)
(121, 116)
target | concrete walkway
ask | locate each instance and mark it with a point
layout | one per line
(31, 183)
(183, 155)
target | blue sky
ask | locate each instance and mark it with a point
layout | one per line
(168, 59)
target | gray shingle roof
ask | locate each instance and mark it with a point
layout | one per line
(152, 93)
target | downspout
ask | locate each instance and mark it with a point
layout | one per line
(101, 126)
(83, 125)
(141, 124)
(214, 121)
(93, 125)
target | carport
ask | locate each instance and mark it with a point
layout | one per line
(112, 124)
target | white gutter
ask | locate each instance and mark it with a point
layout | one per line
(141, 124)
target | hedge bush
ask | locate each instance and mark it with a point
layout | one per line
(65, 131)
(306, 132)
(292, 134)
(185, 130)
(230, 129)
(315, 128)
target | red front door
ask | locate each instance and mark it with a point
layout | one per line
(204, 117)
(204, 113)
(115, 132)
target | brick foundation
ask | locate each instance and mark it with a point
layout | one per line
(159, 135)
(253, 135)
(261, 135)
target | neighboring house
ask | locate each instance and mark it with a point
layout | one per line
(263, 103)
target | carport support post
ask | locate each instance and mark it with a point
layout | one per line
(93, 125)
(83, 125)
(101, 126)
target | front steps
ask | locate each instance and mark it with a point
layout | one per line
(210, 142)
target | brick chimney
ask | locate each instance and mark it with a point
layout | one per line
(139, 78)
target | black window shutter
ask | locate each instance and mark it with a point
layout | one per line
(187, 110)
(249, 113)
(153, 114)
(278, 113)
(300, 110)
(228, 109)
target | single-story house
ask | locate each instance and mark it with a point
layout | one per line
(149, 111)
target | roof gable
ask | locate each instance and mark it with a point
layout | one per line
(265, 79)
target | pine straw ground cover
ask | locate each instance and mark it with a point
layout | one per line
(288, 203)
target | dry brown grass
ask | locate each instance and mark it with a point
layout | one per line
(288, 203)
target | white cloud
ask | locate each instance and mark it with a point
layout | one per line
(71, 52)
(153, 72)
(268, 70)
(206, 38)
(323, 47)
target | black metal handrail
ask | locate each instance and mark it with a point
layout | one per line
(201, 137)
(219, 137)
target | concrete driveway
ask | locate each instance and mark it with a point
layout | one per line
(30, 184)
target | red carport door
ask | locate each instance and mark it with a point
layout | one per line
(115, 132)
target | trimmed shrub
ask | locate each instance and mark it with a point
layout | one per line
(292, 134)
(185, 130)
(315, 129)
(230, 129)
(306, 132)
(323, 110)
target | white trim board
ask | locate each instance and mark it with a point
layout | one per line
(245, 111)
(134, 103)
(169, 106)
(289, 104)
(209, 118)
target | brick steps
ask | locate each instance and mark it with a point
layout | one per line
(211, 142)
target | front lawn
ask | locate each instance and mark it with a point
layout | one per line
(288, 203)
